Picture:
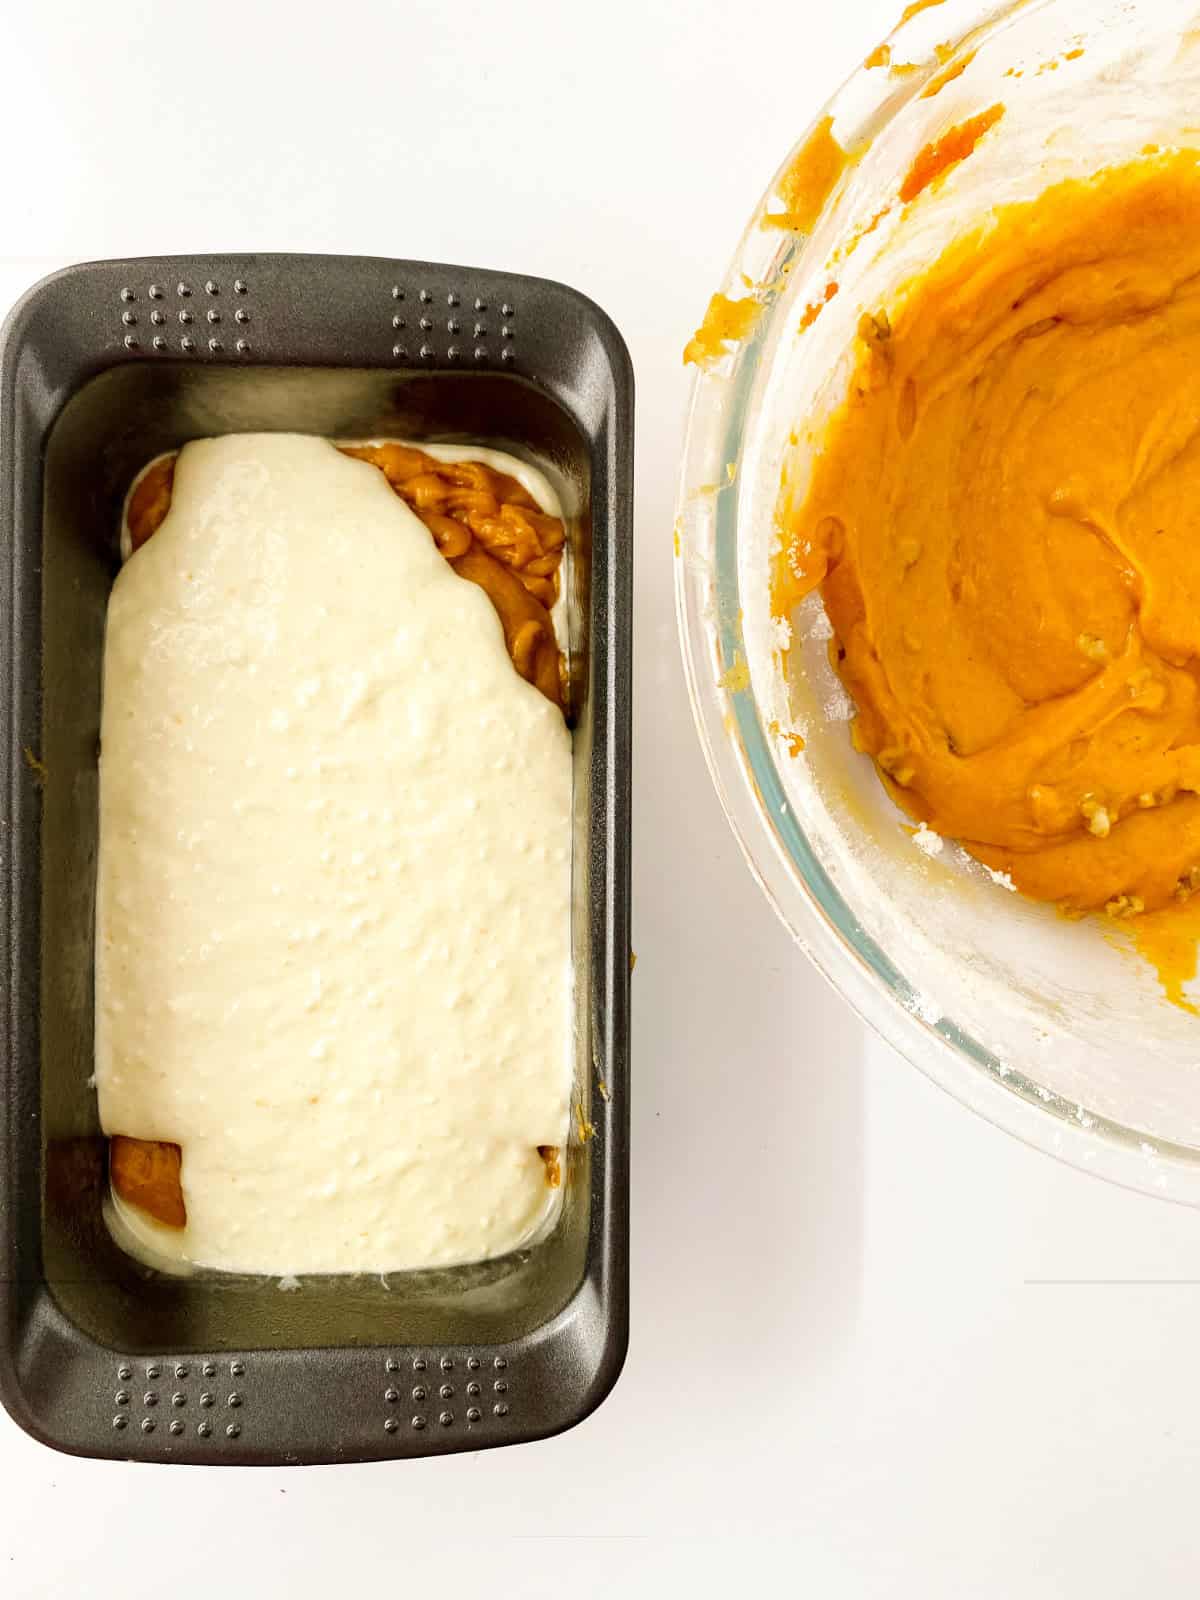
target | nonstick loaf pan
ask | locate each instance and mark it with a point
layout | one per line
(102, 367)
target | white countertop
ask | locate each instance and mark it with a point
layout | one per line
(877, 1347)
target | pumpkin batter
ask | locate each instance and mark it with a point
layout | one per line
(1004, 522)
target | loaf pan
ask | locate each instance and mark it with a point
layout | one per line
(102, 367)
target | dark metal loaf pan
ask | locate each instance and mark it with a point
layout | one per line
(102, 367)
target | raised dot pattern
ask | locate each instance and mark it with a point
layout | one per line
(426, 327)
(145, 318)
(158, 1384)
(434, 1403)
(169, 1384)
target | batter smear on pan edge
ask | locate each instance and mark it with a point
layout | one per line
(1003, 520)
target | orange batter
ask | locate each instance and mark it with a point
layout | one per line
(809, 179)
(1004, 522)
(955, 145)
(725, 322)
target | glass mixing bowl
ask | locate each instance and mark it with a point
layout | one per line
(1051, 1029)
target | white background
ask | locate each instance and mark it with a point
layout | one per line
(848, 1375)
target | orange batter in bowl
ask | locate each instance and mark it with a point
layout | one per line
(1003, 519)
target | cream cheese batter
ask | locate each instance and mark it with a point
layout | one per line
(333, 912)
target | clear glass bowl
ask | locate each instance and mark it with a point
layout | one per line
(1051, 1029)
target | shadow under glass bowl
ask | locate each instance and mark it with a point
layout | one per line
(1050, 1029)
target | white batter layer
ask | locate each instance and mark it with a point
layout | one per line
(531, 478)
(333, 922)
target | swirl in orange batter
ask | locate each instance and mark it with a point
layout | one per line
(1004, 522)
